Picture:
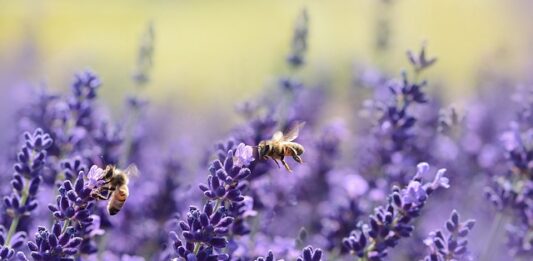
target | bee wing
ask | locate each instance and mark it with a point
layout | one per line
(132, 170)
(292, 134)
(278, 136)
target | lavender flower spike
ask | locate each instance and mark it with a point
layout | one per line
(419, 61)
(25, 183)
(203, 232)
(299, 40)
(393, 221)
(454, 245)
(227, 179)
(310, 254)
(268, 257)
(56, 244)
(75, 207)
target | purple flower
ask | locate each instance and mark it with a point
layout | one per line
(440, 180)
(243, 155)
(203, 232)
(109, 139)
(310, 254)
(268, 257)
(71, 121)
(299, 40)
(511, 140)
(391, 222)
(512, 187)
(420, 62)
(94, 177)
(413, 193)
(95, 227)
(395, 140)
(141, 75)
(247, 207)
(25, 183)
(55, 244)
(454, 245)
(422, 169)
(72, 167)
(227, 180)
(75, 207)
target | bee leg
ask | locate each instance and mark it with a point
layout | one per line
(276, 162)
(296, 157)
(285, 164)
(98, 195)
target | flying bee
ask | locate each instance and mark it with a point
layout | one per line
(115, 187)
(282, 145)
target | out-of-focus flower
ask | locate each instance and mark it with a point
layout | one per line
(72, 121)
(268, 257)
(95, 228)
(394, 140)
(109, 139)
(349, 183)
(419, 61)
(144, 64)
(299, 40)
(511, 139)
(512, 190)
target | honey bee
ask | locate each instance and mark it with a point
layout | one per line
(115, 187)
(282, 145)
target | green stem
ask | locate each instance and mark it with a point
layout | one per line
(197, 246)
(494, 229)
(217, 205)
(65, 225)
(16, 219)
(416, 76)
(12, 230)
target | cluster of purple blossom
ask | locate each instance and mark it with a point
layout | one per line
(369, 200)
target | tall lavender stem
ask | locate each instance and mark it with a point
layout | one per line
(26, 180)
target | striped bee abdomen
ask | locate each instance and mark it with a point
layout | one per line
(117, 200)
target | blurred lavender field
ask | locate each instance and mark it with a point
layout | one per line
(400, 162)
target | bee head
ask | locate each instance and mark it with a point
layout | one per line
(108, 172)
(263, 149)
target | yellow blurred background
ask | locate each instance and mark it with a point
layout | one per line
(218, 52)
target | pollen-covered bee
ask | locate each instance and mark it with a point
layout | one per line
(282, 145)
(115, 188)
